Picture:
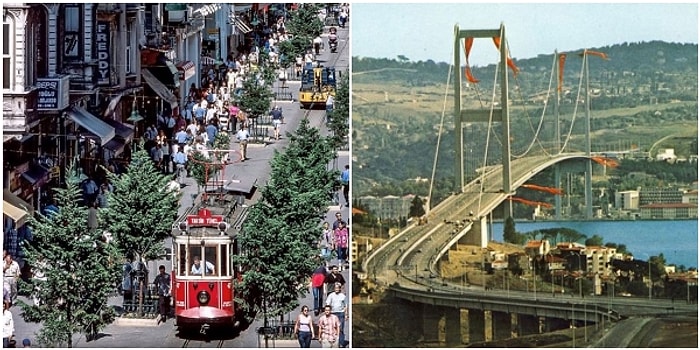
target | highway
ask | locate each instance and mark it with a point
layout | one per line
(407, 262)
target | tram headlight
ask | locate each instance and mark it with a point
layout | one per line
(203, 297)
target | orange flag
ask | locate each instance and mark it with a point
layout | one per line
(468, 42)
(509, 61)
(562, 60)
(596, 53)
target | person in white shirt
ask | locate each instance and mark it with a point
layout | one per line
(198, 269)
(8, 324)
(11, 273)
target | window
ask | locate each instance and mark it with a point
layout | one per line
(71, 26)
(129, 39)
(7, 45)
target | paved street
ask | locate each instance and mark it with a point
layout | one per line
(147, 333)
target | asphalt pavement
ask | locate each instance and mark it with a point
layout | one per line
(147, 333)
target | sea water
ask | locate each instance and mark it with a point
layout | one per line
(676, 239)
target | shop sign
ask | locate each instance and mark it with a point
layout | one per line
(102, 43)
(204, 218)
(53, 93)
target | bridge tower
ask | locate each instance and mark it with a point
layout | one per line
(479, 115)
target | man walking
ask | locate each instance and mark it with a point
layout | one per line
(162, 283)
(242, 136)
(328, 328)
(339, 308)
(11, 275)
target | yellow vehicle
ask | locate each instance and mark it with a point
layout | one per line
(317, 83)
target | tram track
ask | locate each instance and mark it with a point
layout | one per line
(219, 344)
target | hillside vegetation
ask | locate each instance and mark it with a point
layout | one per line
(645, 92)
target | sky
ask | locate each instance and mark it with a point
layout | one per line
(422, 31)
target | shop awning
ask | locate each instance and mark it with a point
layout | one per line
(159, 87)
(205, 10)
(112, 104)
(187, 69)
(18, 215)
(241, 25)
(16, 208)
(37, 175)
(116, 145)
(124, 135)
(92, 124)
(122, 130)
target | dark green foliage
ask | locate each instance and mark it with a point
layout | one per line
(417, 209)
(594, 241)
(257, 96)
(201, 168)
(341, 113)
(510, 235)
(79, 271)
(141, 210)
(280, 233)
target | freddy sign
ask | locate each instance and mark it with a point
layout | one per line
(102, 48)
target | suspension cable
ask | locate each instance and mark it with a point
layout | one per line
(578, 96)
(442, 122)
(488, 137)
(544, 110)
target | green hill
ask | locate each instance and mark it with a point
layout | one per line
(645, 92)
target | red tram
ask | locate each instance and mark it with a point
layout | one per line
(203, 271)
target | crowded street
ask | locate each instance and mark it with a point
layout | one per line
(174, 120)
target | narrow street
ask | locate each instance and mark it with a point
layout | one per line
(148, 333)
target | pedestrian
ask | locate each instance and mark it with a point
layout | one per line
(89, 190)
(341, 244)
(102, 196)
(8, 324)
(328, 328)
(127, 285)
(338, 220)
(180, 161)
(304, 328)
(332, 278)
(242, 136)
(92, 216)
(345, 182)
(211, 131)
(339, 308)
(330, 101)
(326, 242)
(276, 115)
(317, 279)
(11, 273)
(233, 116)
(162, 283)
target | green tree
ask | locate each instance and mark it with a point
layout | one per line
(417, 209)
(79, 274)
(141, 209)
(596, 240)
(341, 113)
(510, 235)
(304, 25)
(257, 96)
(280, 233)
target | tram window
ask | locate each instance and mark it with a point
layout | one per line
(211, 258)
(197, 263)
(224, 260)
(182, 257)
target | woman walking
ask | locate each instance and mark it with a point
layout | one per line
(304, 328)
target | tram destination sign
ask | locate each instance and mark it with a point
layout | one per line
(204, 218)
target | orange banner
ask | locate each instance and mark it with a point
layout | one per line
(509, 61)
(468, 42)
(596, 53)
(562, 60)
